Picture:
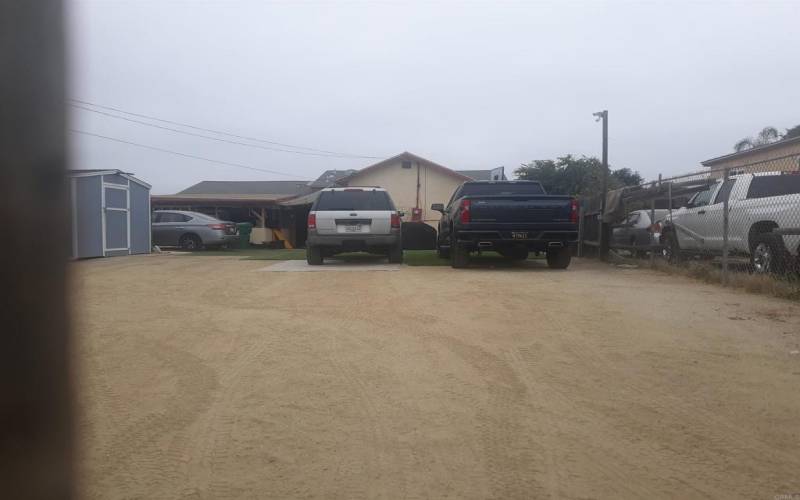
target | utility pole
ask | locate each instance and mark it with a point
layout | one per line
(602, 237)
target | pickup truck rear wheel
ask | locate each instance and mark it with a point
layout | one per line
(459, 256)
(558, 258)
(313, 255)
(768, 254)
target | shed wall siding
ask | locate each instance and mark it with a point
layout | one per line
(140, 218)
(89, 218)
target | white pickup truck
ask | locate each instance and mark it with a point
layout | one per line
(763, 217)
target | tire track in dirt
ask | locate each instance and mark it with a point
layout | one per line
(512, 462)
(715, 439)
(134, 452)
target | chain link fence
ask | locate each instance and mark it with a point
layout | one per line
(733, 221)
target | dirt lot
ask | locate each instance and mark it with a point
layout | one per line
(203, 378)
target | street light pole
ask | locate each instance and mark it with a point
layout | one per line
(602, 237)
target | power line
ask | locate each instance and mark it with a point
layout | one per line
(310, 151)
(325, 155)
(186, 155)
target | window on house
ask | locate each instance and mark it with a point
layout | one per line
(406, 164)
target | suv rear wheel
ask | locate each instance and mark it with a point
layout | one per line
(313, 255)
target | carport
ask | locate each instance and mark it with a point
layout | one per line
(109, 212)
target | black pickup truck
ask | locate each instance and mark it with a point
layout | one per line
(509, 217)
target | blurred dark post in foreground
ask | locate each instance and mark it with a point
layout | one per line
(35, 376)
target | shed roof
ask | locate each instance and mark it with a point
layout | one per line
(91, 172)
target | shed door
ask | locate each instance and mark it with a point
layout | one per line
(116, 219)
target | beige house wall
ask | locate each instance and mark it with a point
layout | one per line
(771, 160)
(436, 186)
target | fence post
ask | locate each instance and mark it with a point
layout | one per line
(669, 196)
(725, 233)
(580, 231)
(652, 234)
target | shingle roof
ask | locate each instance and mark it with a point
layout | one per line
(403, 156)
(329, 178)
(286, 188)
(477, 175)
(747, 152)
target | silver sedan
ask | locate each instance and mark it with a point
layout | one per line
(191, 230)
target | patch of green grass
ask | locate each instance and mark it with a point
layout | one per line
(423, 258)
(429, 258)
(254, 253)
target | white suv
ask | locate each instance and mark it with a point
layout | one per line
(353, 219)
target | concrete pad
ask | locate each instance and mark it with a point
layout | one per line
(299, 266)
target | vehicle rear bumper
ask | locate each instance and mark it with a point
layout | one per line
(356, 241)
(214, 238)
(536, 240)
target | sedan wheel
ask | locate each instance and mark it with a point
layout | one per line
(191, 242)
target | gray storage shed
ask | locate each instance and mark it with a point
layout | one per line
(110, 213)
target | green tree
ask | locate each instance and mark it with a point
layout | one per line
(575, 176)
(791, 133)
(767, 135)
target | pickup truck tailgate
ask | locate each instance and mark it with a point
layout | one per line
(520, 208)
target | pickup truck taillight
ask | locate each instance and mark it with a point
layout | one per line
(464, 215)
(573, 211)
(395, 221)
(312, 221)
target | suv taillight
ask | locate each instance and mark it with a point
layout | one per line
(465, 216)
(312, 221)
(395, 221)
(573, 211)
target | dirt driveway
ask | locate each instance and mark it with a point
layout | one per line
(203, 378)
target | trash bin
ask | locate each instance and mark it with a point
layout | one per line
(245, 228)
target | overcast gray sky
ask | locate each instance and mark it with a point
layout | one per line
(467, 84)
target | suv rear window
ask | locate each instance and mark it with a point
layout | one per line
(763, 186)
(501, 188)
(354, 200)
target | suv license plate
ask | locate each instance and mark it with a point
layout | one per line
(519, 235)
(352, 228)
